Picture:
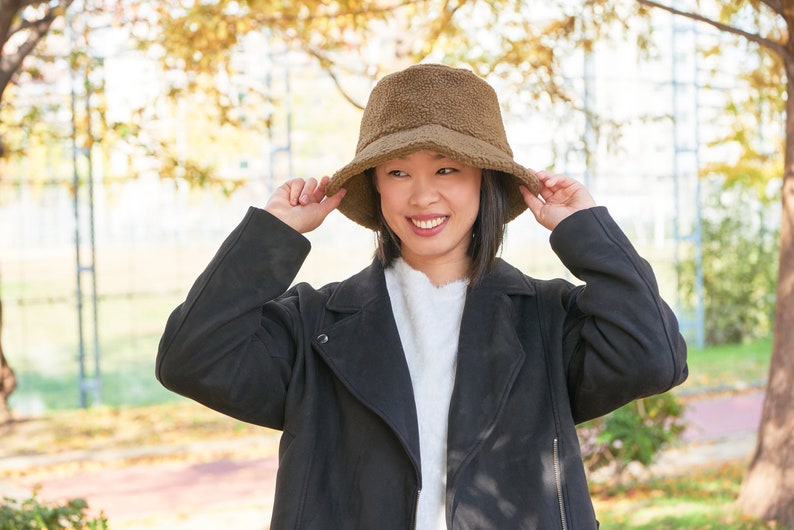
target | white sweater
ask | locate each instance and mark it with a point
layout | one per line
(428, 320)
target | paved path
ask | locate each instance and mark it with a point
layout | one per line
(723, 416)
(237, 491)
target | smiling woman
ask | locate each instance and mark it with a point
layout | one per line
(440, 386)
(487, 233)
(430, 203)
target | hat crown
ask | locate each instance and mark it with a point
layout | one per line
(433, 94)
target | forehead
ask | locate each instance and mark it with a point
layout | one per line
(424, 155)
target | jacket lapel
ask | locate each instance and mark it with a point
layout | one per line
(490, 356)
(364, 351)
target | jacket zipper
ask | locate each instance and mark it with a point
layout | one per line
(416, 509)
(558, 480)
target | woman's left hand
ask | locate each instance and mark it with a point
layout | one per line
(559, 197)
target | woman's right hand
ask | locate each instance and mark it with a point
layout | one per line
(302, 204)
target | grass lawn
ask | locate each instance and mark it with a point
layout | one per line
(702, 500)
(180, 422)
(732, 366)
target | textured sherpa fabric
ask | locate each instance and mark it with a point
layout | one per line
(429, 106)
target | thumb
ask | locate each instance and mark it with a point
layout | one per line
(532, 201)
(332, 202)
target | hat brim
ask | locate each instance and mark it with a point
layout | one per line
(358, 202)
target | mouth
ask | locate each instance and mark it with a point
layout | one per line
(428, 224)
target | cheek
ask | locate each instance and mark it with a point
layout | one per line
(468, 199)
(385, 203)
(390, 198)
(471, 220)
(390, 210)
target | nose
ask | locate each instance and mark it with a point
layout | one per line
(424, 190)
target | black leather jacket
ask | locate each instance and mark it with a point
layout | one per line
(325, 366)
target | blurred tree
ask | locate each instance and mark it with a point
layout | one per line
(768, 26)
(519, 42)
(516, 39)
(23, 24)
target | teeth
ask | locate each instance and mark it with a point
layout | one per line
(428, 223)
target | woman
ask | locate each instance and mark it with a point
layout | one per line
(440, 386)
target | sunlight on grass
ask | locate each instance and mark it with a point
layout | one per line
(667, 513)
(702, 500)
(731, 365)
(101, 428)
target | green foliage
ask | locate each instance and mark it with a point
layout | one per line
(635, 432)
(31, 514)
(739, 249)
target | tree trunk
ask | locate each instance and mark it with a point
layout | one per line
(8, 381)
(768, 488)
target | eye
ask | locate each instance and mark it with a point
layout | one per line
(446, 170)
(397, 173)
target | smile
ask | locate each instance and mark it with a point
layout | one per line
(427, 224)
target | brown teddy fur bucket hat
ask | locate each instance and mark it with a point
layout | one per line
(429, 106)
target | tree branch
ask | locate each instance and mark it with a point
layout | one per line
(326, 64)
(10, 63)
(36, 29)
(771, 45)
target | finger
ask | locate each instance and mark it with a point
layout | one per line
(308, 190)
(322, 186)
(564, 181)
(294, 188)
(543, 176)
(331, 203)
(552, 181)
(546, 193)
(531, 200)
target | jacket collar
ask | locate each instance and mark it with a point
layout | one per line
(360, 290)
(364, 351)
(368, 285)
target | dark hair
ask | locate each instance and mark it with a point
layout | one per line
(487, 233)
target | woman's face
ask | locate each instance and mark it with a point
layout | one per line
(430, 202)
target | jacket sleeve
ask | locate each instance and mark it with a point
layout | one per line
(621, 339)
(228, 345)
